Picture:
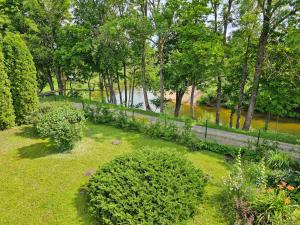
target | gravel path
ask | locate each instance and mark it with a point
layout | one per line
(221, 136)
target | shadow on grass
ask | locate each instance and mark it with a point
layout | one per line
(27, 132)
(139, 141)
(37, 150)
(222, 159)
(136, 139)
(81, 204)
(225, 206)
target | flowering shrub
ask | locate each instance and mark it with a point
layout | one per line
(248, 192)
(256, 173)
(236, 182)
(272, 207)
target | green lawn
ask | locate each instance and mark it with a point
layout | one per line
(40, 186)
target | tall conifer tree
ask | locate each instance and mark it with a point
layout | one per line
(22, 74)
(7, 117)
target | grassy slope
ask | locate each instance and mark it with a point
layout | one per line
(41, 186)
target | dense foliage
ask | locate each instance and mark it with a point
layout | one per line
(240, 53)
(7, 117)
(63, 125)
(264, 191)
(147, 187)
(21, 71)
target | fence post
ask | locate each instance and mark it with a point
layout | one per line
(133, 114)
(258, 137)
(83, 106)
(205, 135)
(165, 119)
(90, 96)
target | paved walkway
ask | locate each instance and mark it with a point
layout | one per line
(223, 137)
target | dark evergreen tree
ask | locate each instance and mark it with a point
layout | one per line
(22, 74)
(7, 116)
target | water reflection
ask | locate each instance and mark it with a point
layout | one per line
(284, 125)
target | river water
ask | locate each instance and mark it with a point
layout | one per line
(284, 125)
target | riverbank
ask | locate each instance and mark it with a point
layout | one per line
(171, 96)
(281, 137)
(277, 126)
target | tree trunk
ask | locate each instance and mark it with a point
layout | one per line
(242, 85)
(192, 108)
(179, 95)
(218, 105)
(89, 87)
(129, 93)
(219, 78)
(215, 11)
(125, 83)
(267, 120)
(161, 75)
(49, 79)
(119, 89)
(144, 86)
(231, 118)
(259, 64)
(226, 17)
(101, 87)
(143, 61)
(59, 80)
(133, 84)
(111, 90)
(64, 82)
(106, 89)
(219, 98)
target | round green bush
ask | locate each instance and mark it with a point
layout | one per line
(62, 125)
(146, 187)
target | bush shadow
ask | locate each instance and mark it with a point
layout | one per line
(37, 150)
(140, 140)
(80, 202)
(93, 132)
(27, 132)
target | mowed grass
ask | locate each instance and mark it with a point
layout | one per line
(38, 185)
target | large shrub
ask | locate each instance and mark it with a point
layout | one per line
(7, 116)
(22, 74)
(62, 125)
(147, 187)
